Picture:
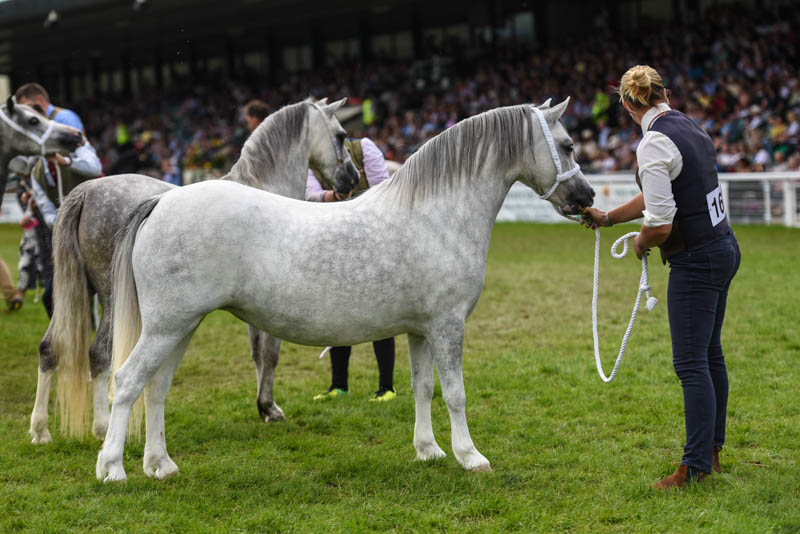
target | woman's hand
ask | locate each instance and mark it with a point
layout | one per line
(593, 217)
(638, 249)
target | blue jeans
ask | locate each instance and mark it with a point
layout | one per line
(699, 279)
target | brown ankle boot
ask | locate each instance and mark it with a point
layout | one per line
(676, 479)
(715, 460)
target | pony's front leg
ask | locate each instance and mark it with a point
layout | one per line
(265, 349)
(39, 417)
(422, 384)
(447, 345)
(47, 368)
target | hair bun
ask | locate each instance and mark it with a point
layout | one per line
(641, 77)
(642, 85)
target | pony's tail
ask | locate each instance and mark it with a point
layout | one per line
(70, 325)
(127, 320)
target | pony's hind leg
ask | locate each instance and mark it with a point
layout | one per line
(265, 350)
(100, 359)
(149, 354)
(446, 344)
(422, 384)
(46, 370)
(156, 461)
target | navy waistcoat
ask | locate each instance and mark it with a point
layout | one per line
(701, 214)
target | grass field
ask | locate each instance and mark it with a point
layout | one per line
(569, 453)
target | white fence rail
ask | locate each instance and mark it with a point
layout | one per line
(751, 198)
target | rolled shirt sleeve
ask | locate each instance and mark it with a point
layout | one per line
(314, 191)
(660, 162)
(85, 161)
(374, 162)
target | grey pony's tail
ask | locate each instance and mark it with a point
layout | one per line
(70, 325)
(127, 320)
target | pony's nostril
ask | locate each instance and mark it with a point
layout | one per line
(593, 193)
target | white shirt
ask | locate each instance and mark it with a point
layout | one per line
(374, 168)
(660, 162)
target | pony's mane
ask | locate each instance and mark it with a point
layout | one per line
(460, 153)
(268, 145)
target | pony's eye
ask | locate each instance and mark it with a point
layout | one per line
(33, 121)
(568, 149)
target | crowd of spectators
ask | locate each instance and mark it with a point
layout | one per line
(735, 72)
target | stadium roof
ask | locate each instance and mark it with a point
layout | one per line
(110, 33)
(94, 29)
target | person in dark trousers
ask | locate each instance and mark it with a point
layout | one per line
(685, 216)
(372, 169)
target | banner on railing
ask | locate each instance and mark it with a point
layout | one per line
(762, 198)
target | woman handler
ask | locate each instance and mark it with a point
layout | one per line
(684, 215)
(372, 170)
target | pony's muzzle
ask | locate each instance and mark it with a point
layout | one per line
(580, 196)
(347, 177)
(71, 139)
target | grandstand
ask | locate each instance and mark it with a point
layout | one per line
(161, 83)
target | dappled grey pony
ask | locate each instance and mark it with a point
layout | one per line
(415, 263)
(24, 132)
(275, 158)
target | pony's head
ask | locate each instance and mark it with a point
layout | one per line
(553, 173)
(26, 132)
(327, 154)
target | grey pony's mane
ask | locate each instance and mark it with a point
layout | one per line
(461, 152)
(267, 146)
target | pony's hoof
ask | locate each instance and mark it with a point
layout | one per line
(41, 437)
(475, 461)
(482, 468)
(271, 412)
(99, 430)
(430, 452)
(275, 414)
(160, 468)
(109, 472)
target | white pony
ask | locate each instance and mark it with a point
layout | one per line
(408, 256)
(275, 158)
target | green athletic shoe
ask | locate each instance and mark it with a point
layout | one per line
(331, 394)
(383, 395)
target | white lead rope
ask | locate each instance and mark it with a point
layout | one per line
(644, 287)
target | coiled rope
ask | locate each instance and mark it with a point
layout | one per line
(644, 287)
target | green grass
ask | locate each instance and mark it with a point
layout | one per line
(569, 453)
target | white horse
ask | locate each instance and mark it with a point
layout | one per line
(408, 256)
(275, 158)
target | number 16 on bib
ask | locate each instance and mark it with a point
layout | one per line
(716, 206)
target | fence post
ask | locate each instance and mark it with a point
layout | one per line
(789, 203)
(767, 202)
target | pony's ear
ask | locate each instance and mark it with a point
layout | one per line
(10, 104)
(330, 108)
(545, 104)
(323, 101)
(555, 113)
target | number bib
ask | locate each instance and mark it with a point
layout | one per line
(716, 206)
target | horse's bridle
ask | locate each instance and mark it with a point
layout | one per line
(560, 175)
(30, 135)
(339, 154)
